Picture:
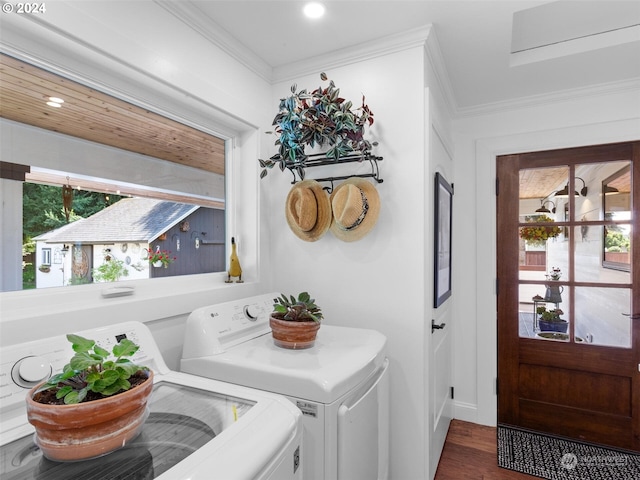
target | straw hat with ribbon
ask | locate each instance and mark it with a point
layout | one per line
(355, 205)
(308, 210)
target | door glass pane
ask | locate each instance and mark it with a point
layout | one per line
(542, 244)
(616, 192)
(601, 316)
(594, 265)
(544, 308)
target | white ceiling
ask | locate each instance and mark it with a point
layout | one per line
(474, 39)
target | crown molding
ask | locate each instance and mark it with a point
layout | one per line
(350, 55)
(196, 19)
(551, 98)
(439, 73)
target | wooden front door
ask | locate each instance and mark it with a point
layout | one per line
(583, 383)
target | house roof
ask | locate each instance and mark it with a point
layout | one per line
(128, 220)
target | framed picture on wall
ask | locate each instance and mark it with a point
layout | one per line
(443, 207)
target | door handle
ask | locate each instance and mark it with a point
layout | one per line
(634, 316)
(435, 326)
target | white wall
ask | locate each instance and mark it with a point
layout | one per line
(579, 119)
(154, 70)
(379, 281)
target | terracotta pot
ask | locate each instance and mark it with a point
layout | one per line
(293, 335)
(89, 429)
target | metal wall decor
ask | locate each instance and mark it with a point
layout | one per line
(320, 160)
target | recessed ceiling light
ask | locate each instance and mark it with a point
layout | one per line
(313, 10)
(55, 102)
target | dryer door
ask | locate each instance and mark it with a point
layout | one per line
(363, 431)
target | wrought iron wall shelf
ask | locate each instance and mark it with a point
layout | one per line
(321, 160)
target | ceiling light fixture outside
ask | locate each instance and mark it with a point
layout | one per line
(565, 191)
(54, 104)
(544, 209)
(313, 10)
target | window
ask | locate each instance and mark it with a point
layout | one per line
(46, 257)
(616, 194)
(193, 195)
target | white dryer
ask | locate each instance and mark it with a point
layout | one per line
(341, 384)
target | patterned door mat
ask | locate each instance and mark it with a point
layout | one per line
(558, 459)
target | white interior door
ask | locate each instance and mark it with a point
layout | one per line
(441, 409)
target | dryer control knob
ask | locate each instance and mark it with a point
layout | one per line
(252, 312)
(34, 369)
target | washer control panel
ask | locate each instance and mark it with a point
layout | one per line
(213, 329)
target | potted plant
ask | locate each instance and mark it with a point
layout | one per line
(550, 320)
(110, 270)
(321, 118)
(539, 235)
(94, 406)
(160, 258)
(295, 322)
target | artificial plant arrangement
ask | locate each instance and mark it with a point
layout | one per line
(321, 118)
(96, 405)
(295, 321)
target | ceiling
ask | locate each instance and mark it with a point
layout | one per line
(95, 116)
(474, 39)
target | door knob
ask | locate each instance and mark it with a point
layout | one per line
(435, 326)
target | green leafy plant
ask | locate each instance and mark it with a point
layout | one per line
(538, 235)
(549, 315)
(110, 271)
(321, 118)
(297, 310)
(91, 370)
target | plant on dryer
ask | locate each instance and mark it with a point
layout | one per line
(297, 310)
(295, 321)
(96, 404)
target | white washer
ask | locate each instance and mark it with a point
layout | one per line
(340, 385)
(197, 428)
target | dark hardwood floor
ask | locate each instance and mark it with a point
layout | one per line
(470, 453)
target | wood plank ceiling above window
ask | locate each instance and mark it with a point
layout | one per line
(92, 115)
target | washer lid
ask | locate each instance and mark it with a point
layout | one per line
(341, 359)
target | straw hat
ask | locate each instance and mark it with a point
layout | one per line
(308, 210)
(356, 205)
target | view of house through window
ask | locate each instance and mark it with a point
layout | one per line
(75, 235)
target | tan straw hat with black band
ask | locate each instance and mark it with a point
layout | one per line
(308, 210)
(356, 205)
